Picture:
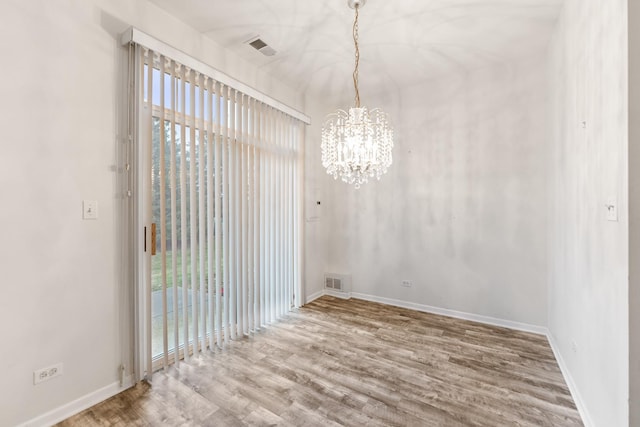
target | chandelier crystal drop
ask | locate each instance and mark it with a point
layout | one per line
(357, 145)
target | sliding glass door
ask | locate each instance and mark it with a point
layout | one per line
(220, 206)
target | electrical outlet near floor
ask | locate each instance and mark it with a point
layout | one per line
(574, 346)
(46, 374)
(406, 283)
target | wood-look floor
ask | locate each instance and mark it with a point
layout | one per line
(356, 363)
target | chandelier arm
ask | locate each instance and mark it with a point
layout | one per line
(357, 66)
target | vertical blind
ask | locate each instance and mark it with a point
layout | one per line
(224, 192)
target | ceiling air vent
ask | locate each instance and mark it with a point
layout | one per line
(261, 46)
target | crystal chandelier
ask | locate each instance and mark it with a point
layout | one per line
(356, 145)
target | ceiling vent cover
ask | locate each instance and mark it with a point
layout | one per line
(261, 46)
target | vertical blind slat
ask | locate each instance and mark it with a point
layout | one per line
(282, 241)
(290, 178)
(245, 213)
(233, 173)
(256, 218)
(163, 219)
(193, 212)
(174, 214)
(300, 213)
(267, 222)
(273, 217)
(286, 217)
(202, 226)
(225, 210)
(238, 222)
(218, 207)
(261, 223)
(275, 220)
(250, 200)
(210, 212)
(183, 216)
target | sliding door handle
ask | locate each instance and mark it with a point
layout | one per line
(153, 238)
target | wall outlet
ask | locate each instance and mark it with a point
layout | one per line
(46, 374)
(406, 283)
(574, 346)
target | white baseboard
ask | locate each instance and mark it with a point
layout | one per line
(65, 411)
(573, 388)
(314, 296)
(337, 294)
(541, 330)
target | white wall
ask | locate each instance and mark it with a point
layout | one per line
(61, 297)
(588, 291)
(315, 228)
(462, 211)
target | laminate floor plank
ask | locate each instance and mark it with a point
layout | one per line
(351, 362)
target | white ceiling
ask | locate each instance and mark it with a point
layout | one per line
(402, 42)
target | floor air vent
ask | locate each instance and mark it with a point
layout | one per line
(333, 283)
(338, 285)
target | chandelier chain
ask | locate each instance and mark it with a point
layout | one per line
(357, 66)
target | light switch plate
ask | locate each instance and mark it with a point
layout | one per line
(313, 208)
(89, 209)
(612, 210)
